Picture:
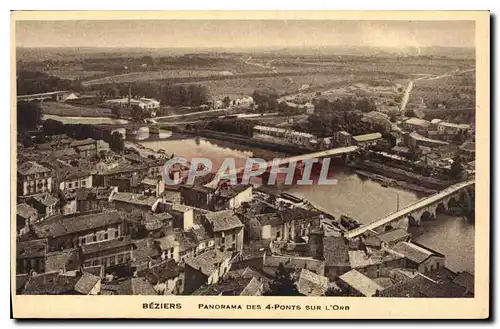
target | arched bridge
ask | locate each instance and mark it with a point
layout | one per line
(420, 210)
(297, 159)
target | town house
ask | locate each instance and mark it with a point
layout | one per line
(227, 229)
(33, 178)
(85, 148)
(100, 237)
(418, 257)
(30, 256)
(206, 268)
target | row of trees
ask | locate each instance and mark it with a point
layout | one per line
(29, 82)
(81, 131)
(169, 94)
(232, 126)
(29, 115)
(325, 124)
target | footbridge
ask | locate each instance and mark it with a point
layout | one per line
(418, 211)
(299, 159)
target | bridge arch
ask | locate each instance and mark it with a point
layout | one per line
(452, 202)
(441, 208)
(413, 222)
(426, 215)
(388, 228)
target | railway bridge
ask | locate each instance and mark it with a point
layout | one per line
(423, 209)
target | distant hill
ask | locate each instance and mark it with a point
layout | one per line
(77, 53)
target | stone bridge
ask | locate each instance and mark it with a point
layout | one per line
(424, 209)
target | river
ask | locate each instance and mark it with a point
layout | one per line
(362, 199)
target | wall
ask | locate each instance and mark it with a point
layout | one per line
(431, 263)
(76, 183)
(244, 196)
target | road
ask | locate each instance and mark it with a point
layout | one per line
(406, 97)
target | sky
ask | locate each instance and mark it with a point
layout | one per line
(243, 33)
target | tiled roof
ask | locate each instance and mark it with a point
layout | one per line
(82, 142)
(26, 211)
(60, 226)
(58, 260)
(31, 248)
(466, 280)
(412, 251)
(361, 283)
(163, 271)
(311, 284)
(50, 283)
(156, 221)
(31, 167)
(45, 198)
(167, 242)
(134, 198)
(335, 251)
(205, 262)
(223, 220)
(140, 286)
(393, 235)
(86, 282)
(422, 286)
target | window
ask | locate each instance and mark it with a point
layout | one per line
(278, 234)
(116, 234)
(95, 262)
(70, 185)
(76, 184)
(87, 264)
(112, 260)
(84, 183)
(437, 265)
(127, 257)
(94, 238)
(105, 236)
(120, 258)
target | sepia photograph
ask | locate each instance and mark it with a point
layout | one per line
(172, 157)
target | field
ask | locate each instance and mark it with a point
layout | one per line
(56, 108)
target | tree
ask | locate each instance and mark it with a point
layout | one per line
(283, 284)
(226, 101)
(266, 98)
(29, 115)
(117, 111)
(116, 142)
(332, 291)
(456, 168)
(410, 113)
(365, 105)
(138, 113)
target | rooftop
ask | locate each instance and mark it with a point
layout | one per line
(60, 226)
(367, 137)
(134, 198)
(140, 286)
(31, 167)
(45, 198)
(31, 248)
(311, 284)
(163, 271)
(418, 122)
(466, 280)
(50, 283)
(361, 283)
(335, 251)
(86, 282)
(26, 211)
(413, 251)
(82, 142)
(206, 262)
(394, 235)
(423, 286)
(58, 260)
(223, 220)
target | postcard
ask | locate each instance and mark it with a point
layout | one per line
(250, 164)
